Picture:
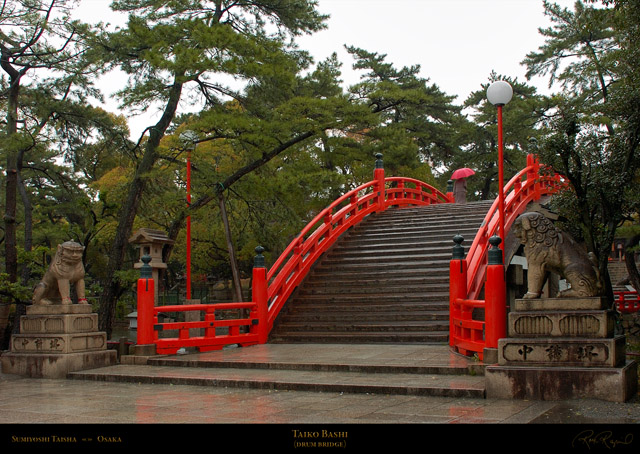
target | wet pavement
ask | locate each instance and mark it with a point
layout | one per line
(85, 409)
(24, 400)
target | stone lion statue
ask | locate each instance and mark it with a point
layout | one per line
(65, 270)
(549, 249)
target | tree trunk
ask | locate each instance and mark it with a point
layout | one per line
(630, 261)
(111, 287)
(177, 224)
(11, 185)
(21, 307)
(237, 284)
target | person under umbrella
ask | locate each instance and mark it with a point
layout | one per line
(459, 178)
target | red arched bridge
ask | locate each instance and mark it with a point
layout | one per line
(394, 266)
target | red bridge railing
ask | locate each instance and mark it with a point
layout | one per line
(471, 275)
(270, 290)
(627, 302)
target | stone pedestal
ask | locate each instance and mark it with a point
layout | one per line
(560, 349)
(55, 340)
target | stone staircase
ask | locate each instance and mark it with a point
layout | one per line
(385, 281)
(384, 369)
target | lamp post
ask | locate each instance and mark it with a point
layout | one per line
(189, 139)
(499, 93)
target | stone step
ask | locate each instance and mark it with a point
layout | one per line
(399, 238)
(405, 259)
(425, 216)
(389, 314)
(369, 290)
(373, 298)
(477, 207)
(363, 306)
(365, 326)
(428, 216)
(368, 273)
(384, 251)
(322, 274)
(363, 280)
(445, 230)
(327, 266)
(372, 380)
(399, 368)
(408, 243)
(328, 337)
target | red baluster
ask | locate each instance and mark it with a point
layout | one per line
(457, 284)
(146, 290)
(260, 296)
(495, 296)
(379, 187)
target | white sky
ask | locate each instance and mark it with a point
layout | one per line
(457, 43)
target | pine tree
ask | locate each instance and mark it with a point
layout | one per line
(593, 126)
(167, 48)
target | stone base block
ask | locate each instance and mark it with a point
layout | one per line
(58, 343)
(568, 352)
(139, 354)
(57, 309)
(562, 383)
(559, 304)
(591, 324)
(52, 365)
(143, 350)
(59, 323)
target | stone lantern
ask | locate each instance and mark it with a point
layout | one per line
(150, 242)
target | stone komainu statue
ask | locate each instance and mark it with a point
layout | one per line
(549, 249)
(65, 270)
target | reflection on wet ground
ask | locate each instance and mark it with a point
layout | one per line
(26, 400)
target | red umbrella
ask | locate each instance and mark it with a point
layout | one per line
(462, 173)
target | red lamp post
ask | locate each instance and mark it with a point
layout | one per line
(499, 93)
(189, 139)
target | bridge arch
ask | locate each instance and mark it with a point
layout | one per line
(271, 288)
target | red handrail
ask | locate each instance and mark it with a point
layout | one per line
(526, 186)
(206, 338)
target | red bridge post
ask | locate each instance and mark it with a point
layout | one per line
(260, 295)
(379, 187)
(533, 174)
(457, 284)
(145, 297)
(495, 296)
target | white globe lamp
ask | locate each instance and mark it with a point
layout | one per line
(499, 93)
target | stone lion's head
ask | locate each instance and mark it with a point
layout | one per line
(69, 252)
(533, 228)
